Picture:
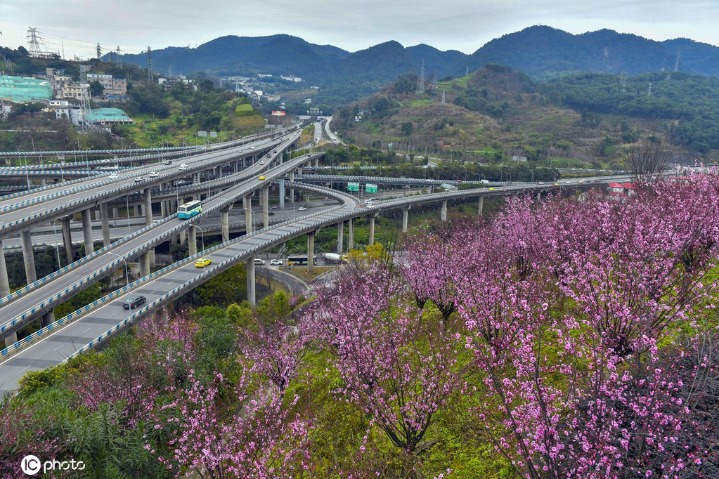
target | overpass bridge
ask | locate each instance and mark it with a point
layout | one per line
(39, 298)
(23, 212)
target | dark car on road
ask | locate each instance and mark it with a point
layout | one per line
(133, 302)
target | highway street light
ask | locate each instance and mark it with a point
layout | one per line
(127, 277)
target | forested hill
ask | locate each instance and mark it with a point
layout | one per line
(539, 51)
(542, 52)
(687, 105)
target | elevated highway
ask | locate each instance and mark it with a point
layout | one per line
(25, 306)
(103, 318)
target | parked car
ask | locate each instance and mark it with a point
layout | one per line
(202, 262)
(133, 302)
(259, 261)
(154, 174)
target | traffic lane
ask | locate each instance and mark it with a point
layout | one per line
(61, 344)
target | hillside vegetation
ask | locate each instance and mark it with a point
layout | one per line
(595, 118)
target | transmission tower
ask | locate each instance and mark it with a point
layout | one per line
(676, 62)
(420, 83)
(649, 91)
(117, 52)
(37, 48)
(443, 99)
(99, 51)
(149, 66)
(623, 82)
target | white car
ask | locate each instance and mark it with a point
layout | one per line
(114, 176)
(301, 208)
(276, 262)
(259, 261)
(154, 174)
(139, 179)
(183, 166)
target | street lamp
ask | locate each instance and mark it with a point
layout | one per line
(127, 277)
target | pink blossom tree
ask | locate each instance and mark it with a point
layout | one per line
(397, 369)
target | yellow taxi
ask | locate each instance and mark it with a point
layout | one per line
(491, 189)
(202, 262)
(261, 178)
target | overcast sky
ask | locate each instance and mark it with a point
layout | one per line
(76, 26)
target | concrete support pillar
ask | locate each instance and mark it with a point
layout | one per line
(183, 236)
(28, 257)
(350, 234)
(247, 205)
(145, 263)
(225, 224)
(67, 238)
(266, 205)
(87, 232)
(250, 268)
(405, 218)
(48, 318)
(147, 193)
(105, 224)
(371, 229)
(11, 339)
(4, 281)
(163, 208)
(192, 242)
(443, 211)
(134, 209)
(317, 162)
(340, 237)
(282, 193)
(115, 213)
(481, 205)
(292, 190)
(234, 167)
(311, 251)
(195, 178)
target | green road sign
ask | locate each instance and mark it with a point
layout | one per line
(370, 188)
(353, 187)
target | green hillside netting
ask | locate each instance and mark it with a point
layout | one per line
(21, 89)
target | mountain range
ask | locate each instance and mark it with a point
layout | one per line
(539, 51)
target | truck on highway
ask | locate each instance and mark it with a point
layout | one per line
(336, 258)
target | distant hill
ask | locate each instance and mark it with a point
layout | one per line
(542, 51)
(285, 54)
(538, 51)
